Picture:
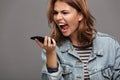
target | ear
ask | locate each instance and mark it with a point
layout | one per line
(80, 17)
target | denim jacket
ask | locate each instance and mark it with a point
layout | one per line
(104, 61)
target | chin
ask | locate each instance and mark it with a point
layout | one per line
(66, 35)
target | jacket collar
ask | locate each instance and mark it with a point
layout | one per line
(67, 47)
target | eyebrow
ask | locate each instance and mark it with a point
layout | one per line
(61, 11)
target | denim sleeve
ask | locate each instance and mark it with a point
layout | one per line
(50, 76)
(116, 74)
(52, 70)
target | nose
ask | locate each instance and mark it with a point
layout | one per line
(59, 16)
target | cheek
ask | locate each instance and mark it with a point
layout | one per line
(73, 19)
(54, 19)
(74, 26)
(74, 23)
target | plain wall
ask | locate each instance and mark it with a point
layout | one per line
(20, 57)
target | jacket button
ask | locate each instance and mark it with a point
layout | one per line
(78, 76)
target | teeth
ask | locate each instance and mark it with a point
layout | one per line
(61, 24)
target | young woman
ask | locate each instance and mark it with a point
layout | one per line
(77, 50)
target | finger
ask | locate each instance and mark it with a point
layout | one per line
(39, 43)
(46, 41)
(54, 42)
(49, 42)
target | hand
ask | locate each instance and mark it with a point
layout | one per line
(50, 51)
(47, 45)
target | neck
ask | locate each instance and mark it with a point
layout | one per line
(74, 41)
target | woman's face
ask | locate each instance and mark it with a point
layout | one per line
(67, 18)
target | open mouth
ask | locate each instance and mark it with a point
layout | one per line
(63, 27)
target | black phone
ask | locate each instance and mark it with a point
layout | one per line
(40, 38)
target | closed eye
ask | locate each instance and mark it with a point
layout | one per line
(64, 12)
(55, 12)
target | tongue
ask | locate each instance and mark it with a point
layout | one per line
(64, 28)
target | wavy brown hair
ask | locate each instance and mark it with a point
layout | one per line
(86, 26)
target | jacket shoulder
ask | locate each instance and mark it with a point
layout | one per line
(104, 35)
(105, 38)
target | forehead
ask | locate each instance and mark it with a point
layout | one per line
(61, 5)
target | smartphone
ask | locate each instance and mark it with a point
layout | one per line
(40, 38)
